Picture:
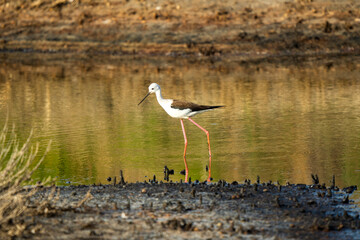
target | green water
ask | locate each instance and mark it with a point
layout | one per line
(282, 121)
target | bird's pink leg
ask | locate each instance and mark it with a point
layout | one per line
(186, 167)
(208, 139)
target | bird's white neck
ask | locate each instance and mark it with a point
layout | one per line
(159, 97)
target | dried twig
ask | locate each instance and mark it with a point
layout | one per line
(87, 197)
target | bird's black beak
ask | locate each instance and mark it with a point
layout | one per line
(144, 98)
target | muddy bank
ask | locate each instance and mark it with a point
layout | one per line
(195, 28)
(189, 211)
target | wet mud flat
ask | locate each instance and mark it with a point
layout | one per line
(194, 210)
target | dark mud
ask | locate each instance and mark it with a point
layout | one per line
(189, 211)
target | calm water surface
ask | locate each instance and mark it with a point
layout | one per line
(281, 121)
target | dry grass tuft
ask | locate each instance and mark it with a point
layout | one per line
(17, 163)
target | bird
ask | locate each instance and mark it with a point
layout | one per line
(182, 110)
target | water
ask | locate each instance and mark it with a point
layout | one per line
(282, 121)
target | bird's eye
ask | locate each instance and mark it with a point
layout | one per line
(152, 89)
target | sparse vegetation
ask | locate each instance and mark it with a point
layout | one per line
(17, 163)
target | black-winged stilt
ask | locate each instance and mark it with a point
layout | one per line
(182, 110)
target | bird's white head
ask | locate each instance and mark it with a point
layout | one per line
(154, 87)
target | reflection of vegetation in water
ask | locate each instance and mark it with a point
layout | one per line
(282, 122)
(17, 164)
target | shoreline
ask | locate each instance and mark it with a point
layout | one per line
(165, 28)
(189, 211)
